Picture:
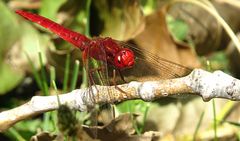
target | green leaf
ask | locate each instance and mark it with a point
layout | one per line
(9, 78)
(9, 31)
(28, 125)
(9, 34)
(177, 27)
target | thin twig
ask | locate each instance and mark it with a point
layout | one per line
(199, 82)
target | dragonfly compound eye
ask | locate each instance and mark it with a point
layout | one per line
(124, 59)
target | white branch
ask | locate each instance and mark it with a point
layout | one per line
(199, 82)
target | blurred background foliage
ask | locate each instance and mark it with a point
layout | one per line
(31, 57)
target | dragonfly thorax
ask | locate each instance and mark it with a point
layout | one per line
(116, 55)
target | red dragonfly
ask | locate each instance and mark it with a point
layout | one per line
(127, 59)
(118, 54)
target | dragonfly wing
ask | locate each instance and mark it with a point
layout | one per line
(149, 66)
(97, 71)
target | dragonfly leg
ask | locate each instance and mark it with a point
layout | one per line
(113, 111)
(115, 84)
(98, 70)
(101, 69)
(122, 77)
(92, 83)
(91, 75)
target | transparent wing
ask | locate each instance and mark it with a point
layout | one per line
(149, 66)
(97, 71)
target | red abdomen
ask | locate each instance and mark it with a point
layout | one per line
(73, 37)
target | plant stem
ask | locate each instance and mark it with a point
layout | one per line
(66, 73)
(214, 120)
(75, 75)
(43, 75)
(198, 126)
(52, 76)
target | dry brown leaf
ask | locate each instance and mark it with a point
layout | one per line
(204, 30)
(117, 129)
(156, 39)
(44, 136)
(118, 19)
(121, 128)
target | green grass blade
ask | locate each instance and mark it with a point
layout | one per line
(131, 111)
(35, 72)
(214, 120)
(225, 111)
(49, 121)
(43, 75)
(145, 117)
(55, 88)
(198, 126)
(75, 75)
(237, 124)
(98, 75)
(87, 31)
(46, 121)
(15, 134)
(54, 85)
(84, 78)
(53, 114)
(66, 73)
(52, 76)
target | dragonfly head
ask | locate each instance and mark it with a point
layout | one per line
(124, 59)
